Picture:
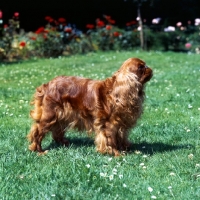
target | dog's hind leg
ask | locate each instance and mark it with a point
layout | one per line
(35, 137)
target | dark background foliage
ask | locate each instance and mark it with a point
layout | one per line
(81, 12)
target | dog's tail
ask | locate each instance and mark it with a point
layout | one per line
(37, 102)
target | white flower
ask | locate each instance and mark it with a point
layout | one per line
(153, 197)
(21, 101)
(170, 187)
(156, 20)
(197, 165)
(109, 159)
(88, 165)
(103, 174)
(172, 174)
(197, 22)
(120, 176)
(150, 189)
(114, 171)
(189, 106)
(111, 177)
(190, 156)
(124, 185)
(139, 28)
(169, 29)
(141, 164)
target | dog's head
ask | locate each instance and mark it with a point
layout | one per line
(139, 68)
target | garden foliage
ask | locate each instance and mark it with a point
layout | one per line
(58, 38)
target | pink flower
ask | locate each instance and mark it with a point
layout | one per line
(188, 45)
(16, 14)
(179, 24)
(1, 14)
(68, 30)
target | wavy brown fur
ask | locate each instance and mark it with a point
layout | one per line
(110, 108)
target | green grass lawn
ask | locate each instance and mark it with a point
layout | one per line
(164, 162)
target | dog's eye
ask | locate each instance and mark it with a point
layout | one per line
(141, 67)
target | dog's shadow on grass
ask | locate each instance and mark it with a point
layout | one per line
(158, 147)
(74, 142)
(142, 147)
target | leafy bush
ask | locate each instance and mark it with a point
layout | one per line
(59, 38)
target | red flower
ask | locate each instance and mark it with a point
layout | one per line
(40, 30)
(131, 23)
(33, 38)
(5, 26)
(45, 36)
(108, 27)
(107, 17)
(68, 30)
(111, 21)
(90, 26)
(61, 20)
(45, 31)
(22, 44)
(16, 14)
(100, 23)
(49, 19)
(116, 34)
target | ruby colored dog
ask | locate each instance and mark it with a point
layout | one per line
(109, 108)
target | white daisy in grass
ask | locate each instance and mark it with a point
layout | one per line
(124, 185)
(120, 176)
(190, 156)
(114, 171)
(111, 177)
(153, 197)
(88, 165)
(189, 106)
(150, 189)
(141, 164)
(103, 174)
